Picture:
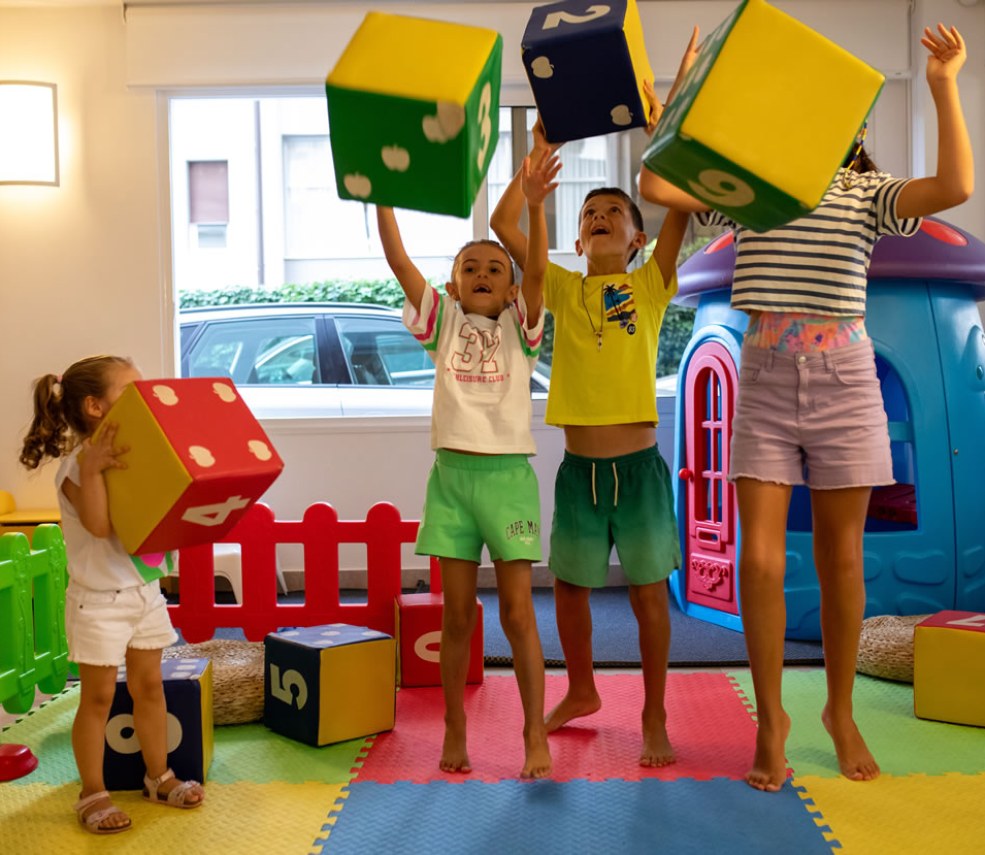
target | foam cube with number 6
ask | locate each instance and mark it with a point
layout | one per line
(586, 64)
(949, 668)
(326, 684)
(764, 118)
(188, 698)
(413, 108)
(197, 460)
(418, 622)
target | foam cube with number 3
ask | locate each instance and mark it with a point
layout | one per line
(949, 668)
(197, 460)
(586, 63)
(413, 107)
(764, 118)
(325, 684)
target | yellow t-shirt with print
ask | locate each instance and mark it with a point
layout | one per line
(606, 335)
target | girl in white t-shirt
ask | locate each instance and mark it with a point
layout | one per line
(115, 613)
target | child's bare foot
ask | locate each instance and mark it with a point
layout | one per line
(769, 765)
(537, 760)
(572, 706)
(854, 758)
(454, 756)
(657, 750)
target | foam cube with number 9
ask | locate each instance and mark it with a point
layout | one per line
(197, 460)
(586, 64)
(949, 668)
(413, 107)
(325, 684)
(764, 118)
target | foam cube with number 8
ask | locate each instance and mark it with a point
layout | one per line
(326, 684)
(197, 460)
(949, 668)
(764, 118)
(413, 108)
(586, 64)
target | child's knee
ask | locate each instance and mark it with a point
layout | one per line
(458, 624)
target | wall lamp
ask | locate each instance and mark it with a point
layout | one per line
(28, 132)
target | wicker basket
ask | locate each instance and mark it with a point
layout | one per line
(886, 647)
(237, 676)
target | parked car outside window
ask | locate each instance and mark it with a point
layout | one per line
(310, 360)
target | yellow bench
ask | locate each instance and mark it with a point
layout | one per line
(25, 519)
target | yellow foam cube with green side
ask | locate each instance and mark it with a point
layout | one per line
(949, 668)
(413, 109)
(764, 118)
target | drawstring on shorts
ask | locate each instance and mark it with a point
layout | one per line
(615, 495)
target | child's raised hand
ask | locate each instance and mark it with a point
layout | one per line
(947, 53)
(538, 179)
(690, 54)
(101, 453)
(541, 145)
(656, 108)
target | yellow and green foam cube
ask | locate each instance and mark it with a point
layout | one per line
(413, 108)
(764, 118)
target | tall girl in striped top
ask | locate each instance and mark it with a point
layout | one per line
(809, 407)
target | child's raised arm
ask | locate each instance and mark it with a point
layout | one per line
(89, 497)
(955, 178)
(505, 219)
(653, 188)
(537, 181)
(403, 268)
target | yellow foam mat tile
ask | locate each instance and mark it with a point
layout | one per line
(910, 814)
(245, 818)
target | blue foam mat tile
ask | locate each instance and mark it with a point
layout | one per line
(686, 817)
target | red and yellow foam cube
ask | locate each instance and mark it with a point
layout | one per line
(198, 459)
(949, 668)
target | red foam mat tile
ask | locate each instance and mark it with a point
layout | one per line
(708, 724)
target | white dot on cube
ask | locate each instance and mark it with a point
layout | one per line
(621, 115)
(358, 185)
(259, 449)
(165, 394)
(541, 67)
(224, 392)
(396, 158)
(332, 632)
(201, 455)
(289, 633)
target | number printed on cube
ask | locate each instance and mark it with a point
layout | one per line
(326, 684)
(188, 697)
(413, 107)
(198, 459)
(586, 63)
(764, 117)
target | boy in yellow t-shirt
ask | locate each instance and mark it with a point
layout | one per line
(613, 487)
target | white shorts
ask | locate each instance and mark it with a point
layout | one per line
(101, 625)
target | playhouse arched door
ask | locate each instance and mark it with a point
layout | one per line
(709, 504)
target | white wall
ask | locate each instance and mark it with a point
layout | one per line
(84, 267)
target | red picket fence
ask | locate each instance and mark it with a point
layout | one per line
(320, 532)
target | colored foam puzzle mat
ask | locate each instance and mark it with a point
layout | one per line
(267, 793)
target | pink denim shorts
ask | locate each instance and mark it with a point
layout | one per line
(811, 418)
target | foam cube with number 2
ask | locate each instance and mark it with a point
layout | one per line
(949, 668)
(197, 460)
(586, 63)
(413, 107)
(764, 118)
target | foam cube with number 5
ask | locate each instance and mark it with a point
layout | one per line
(764, 117)
(325, 684)
(413, 109)
(586, 63)
(198, 459)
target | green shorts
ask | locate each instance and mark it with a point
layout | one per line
(623, 501)
(481, 499)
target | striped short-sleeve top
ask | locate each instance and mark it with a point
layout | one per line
(819, 262)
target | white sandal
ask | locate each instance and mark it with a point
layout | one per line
(93, 820)
(177, 796)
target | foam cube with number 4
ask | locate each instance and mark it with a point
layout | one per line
(413, 109)
(949, 668)
(764, 118)
(197, 460)
(586, 64)
(325, 684)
